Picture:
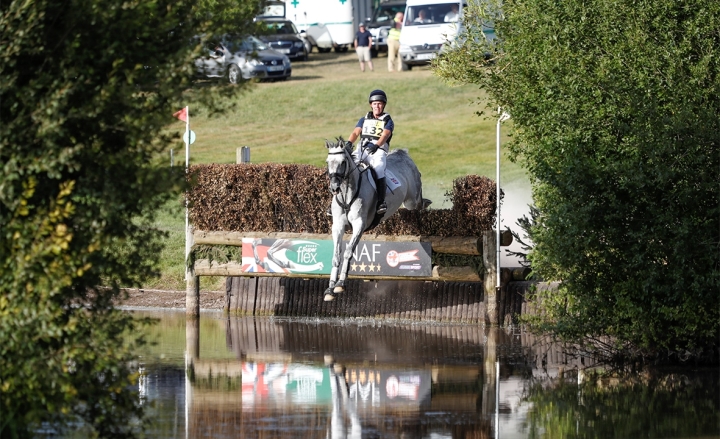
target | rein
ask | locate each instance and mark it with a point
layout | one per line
(345, 178)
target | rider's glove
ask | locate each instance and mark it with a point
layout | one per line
(348, 144)
(372, 147)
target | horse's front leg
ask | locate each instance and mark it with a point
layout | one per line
(358, 228)
(338, 229)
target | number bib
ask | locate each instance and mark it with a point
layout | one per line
(373, 128)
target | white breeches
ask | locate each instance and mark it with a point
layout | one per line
(376, 161)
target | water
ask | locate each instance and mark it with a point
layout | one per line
(280, 378)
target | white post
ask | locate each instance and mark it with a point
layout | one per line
(187, 169)
(497, 400)
(188, 395)
(503, 117)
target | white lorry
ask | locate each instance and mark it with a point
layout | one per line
(327, 24)
(429, 26)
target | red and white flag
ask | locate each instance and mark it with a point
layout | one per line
(182, 114)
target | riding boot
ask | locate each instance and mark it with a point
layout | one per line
(381, 188)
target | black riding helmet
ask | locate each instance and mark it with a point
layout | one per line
(377, 95)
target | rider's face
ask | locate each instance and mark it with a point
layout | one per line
(377, 107)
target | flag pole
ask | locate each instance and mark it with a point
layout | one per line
(187, 168)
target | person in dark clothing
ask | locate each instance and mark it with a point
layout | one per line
(363, 43)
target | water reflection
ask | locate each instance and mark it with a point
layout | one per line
(281, 378)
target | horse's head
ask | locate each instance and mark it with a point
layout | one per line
(340, 163)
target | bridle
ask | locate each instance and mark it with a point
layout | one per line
(341, 197)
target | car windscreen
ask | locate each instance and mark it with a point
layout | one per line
(431, 14)
(281, 28)
(386, 13)
(247, 44)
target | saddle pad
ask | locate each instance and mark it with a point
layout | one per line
(391, 181)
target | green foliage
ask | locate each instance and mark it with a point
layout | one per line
(667, 405)
(85, 88)
(222, 254)
(526, 225)
(615, 105)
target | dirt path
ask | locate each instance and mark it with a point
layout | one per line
(141, 298)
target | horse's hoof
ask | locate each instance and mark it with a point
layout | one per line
(339, 289)
(329, 295)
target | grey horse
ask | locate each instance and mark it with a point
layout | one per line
(354, 201)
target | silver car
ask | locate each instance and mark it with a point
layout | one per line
(238, 58)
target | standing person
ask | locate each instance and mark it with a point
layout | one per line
(375, 131)
(363, 42)
(393, 42)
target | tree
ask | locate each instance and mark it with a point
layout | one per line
(615, 106)
(86, 89)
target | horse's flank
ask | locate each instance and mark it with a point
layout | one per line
(400, 159)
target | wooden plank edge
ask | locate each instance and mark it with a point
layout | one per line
(204, 267)
(460, 245)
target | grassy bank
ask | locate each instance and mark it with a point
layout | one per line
(288, 122)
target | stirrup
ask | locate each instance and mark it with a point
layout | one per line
(381, 208)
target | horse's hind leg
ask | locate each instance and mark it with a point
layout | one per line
(420, 202)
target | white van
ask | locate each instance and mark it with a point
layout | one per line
(429, 25)
(327, 24)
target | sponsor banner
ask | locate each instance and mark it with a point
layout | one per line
(389, 387)
(392, 259)
(286, 256)
(304, 384)
(292, 383)
(371, 258)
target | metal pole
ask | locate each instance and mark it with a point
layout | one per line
(188, 396)
(497, 400)
(503, 117)
(497, 201)
(187, 168)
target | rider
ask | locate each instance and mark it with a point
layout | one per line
(375, 131)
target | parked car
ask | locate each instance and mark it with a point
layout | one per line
(284, 37)
(380, 23)
(237, 58)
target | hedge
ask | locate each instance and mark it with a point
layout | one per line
(271, 197)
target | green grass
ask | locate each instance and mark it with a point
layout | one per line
(288, 122)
